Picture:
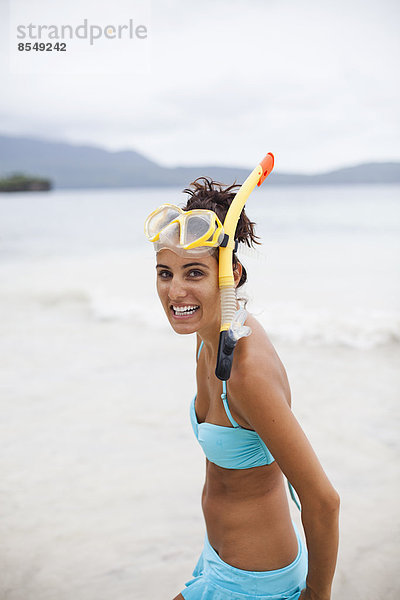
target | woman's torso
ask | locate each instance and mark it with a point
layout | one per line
(246, 510)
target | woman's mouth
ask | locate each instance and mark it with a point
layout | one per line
(184, 312)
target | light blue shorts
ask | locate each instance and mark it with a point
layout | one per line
(214, 579)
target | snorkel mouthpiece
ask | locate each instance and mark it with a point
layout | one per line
(233, 329)
(238, 329)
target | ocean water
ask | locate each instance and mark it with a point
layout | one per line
(327, 272)
(101, 477)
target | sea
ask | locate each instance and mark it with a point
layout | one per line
(101, 476)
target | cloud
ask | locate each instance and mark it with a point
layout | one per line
(315, 82)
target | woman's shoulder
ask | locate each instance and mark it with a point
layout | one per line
(257, 363)
(256, 349)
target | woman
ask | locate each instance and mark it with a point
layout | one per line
(249, 435)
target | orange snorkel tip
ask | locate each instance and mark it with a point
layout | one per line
(267, 164)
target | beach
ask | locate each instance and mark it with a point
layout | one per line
(101, 474)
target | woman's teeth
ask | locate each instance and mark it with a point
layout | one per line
(184, 310)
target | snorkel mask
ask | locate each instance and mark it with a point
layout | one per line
(200, 231)
(185, 232)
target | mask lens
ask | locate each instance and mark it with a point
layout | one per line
(160, 219)
(196, 227)
(170, 235)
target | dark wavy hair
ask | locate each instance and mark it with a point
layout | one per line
(208, 194)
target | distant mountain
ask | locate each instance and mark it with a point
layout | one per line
(76, 166)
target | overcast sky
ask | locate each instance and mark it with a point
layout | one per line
(316, 82)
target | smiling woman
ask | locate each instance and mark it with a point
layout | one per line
(245, 425)
(188, 291)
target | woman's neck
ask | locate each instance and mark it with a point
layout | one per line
(210, 338)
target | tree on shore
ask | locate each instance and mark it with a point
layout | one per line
(19, 182)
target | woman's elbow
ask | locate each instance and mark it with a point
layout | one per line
(325, 502)
(332, 501)
(329, 502)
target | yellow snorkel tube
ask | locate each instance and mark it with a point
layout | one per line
(227, 338)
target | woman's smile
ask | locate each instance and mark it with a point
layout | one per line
(184, 312)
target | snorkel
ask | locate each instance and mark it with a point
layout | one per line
(232, 321)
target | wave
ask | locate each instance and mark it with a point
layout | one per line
(287, 323)
(90, 304)
(358, 328)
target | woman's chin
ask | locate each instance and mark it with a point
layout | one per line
(184, 323)
(182, 327)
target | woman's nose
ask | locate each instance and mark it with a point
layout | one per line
(177, 289)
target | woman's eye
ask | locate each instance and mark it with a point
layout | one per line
(195, 273)
(164, 274)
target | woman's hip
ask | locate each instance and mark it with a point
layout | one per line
(214, 579)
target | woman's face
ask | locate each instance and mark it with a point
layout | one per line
(189, 292)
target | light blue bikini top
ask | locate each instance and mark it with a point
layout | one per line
(229, 447)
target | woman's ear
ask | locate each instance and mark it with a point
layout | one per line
(237, 272)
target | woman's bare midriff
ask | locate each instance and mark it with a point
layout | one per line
(247, 517)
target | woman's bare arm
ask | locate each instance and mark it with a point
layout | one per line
(259, 394)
